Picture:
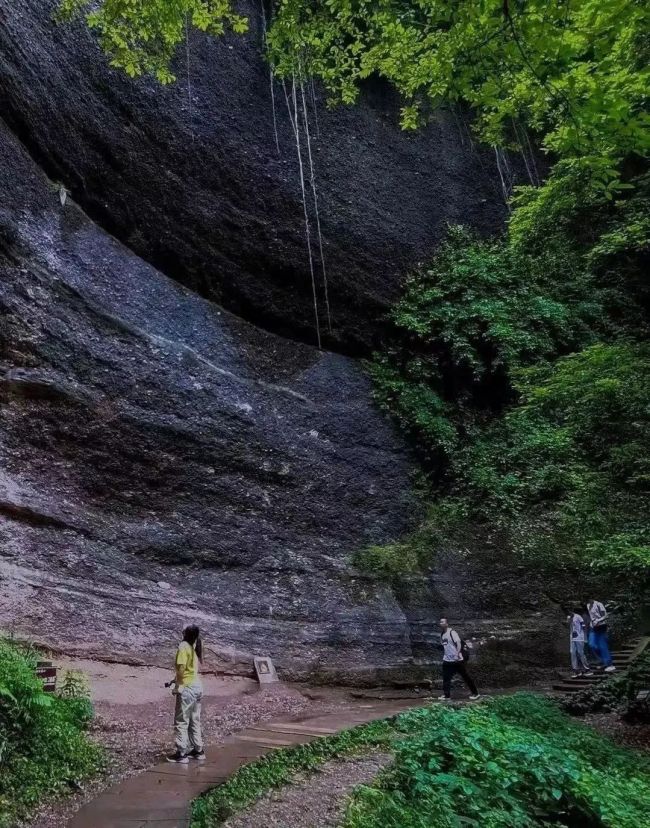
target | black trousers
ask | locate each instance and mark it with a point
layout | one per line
(449, 669)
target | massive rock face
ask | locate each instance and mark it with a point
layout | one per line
(192, 182)
(162, 460)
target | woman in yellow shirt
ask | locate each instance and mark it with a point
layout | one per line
(189, 692)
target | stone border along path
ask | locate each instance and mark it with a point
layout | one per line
(162, 796)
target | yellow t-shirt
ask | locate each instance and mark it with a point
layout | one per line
(187, 665)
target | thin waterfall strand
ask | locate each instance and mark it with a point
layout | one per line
(271, 81)
(312, 179)
(189, 80)
(522, 150)
(532, 155)
(295, 123)
(314, 106)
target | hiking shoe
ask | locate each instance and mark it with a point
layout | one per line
(178, 758)
(199, 755)
(444, 698)
(475, 696)
(610, 669)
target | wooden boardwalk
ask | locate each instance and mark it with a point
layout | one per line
(162, 796)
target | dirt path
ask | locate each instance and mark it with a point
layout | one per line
(316, 801)
(134, 719)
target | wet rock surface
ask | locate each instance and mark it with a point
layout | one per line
(163, 461)
(188, 175)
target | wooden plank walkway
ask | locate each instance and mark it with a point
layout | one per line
(162, 796)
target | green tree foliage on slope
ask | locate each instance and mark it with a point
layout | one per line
(43, 748)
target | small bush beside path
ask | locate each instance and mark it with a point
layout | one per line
(44, 749)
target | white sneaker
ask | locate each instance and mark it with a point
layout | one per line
(473, 698)
(444, 698)
(610, 669)
(588, 673)
(575, 675)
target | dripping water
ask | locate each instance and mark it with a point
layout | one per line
(189, 80)
(271, 80)
(314, 106)
(295, 124)
(312, 180)
(522, 151)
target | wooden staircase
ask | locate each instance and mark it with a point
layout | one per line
(623, 657)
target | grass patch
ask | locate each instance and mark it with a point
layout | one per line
(280, 767)
(514, 762)
(44, 750)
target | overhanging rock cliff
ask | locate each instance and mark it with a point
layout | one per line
(163, 461)
(189, 178)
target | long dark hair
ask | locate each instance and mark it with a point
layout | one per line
(192, 635)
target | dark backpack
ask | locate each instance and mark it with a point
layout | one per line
(465, 650)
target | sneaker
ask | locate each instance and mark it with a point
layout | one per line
(575, 675)
(610, 669)
(199, 755)
(475, 696)
(178, 758)
(588, 673)
(444, 698)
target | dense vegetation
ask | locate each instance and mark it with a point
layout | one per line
(513, 763)
(517, 761)
(518, 365)
(44, 750)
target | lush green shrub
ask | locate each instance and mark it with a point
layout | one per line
(466, 323)
(43, 749)
(515, 763)
(578, 444)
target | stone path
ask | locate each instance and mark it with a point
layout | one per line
(161, 797)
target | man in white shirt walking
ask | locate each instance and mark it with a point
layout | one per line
(598, 633)
(453, 661)
(577, 644)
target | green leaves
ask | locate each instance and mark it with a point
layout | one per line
(466, 323)
(141, 36)
(42, 745)
(577, 72)
(517, 762)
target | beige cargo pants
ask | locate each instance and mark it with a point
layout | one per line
(187, 718)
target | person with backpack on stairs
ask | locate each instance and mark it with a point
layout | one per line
(579, 662)
(454, 661)
(598, 633)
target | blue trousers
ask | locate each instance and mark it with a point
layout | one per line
(599, 644)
